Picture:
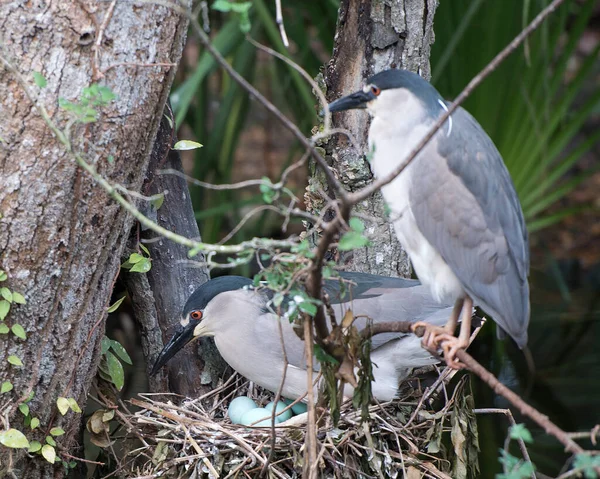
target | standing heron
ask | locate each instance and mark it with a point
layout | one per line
(454, 208)
(244, 326)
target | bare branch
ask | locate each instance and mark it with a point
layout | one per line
(499, 388)
(279, 21)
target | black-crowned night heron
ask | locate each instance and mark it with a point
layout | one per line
(454, 208)
(245, 329)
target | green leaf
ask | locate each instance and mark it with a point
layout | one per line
(34, 446)
(6, 387)
(520, 431)
(135, 258)
(308, 307)
(39, 79)
(18, 298)
(352, 240)
(3, 275)
(587, 464)
(143, 248)
(118, 348)
(14, 360)
(18, 331)
(4, 309)
(6, 294)
(13, 438)
(49, 453)
(356, 225)
(73, 405)
(35, 422)
(105, 346)
(24, 408)
(4, 329)
(157, 201)
(112, 308)
(183, 145)
(57, 431)
(222, 6)
(142, 266)
(50, 440)
(115, 369)
(63, 405)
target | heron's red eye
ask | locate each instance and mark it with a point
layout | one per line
(197, 315)
(376, 91)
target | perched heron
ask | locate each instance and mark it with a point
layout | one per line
(454, 208)
(245, 329)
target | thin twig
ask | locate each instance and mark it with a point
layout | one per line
(311, 429)
(279, 21)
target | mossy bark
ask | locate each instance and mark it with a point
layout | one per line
(61, 236)
(372, 36)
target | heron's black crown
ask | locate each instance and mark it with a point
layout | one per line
(206, 292)
(422, 89)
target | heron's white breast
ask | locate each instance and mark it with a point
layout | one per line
(391, 148)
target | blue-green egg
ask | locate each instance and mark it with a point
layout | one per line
(257, 414)
(238, 407)
(297, 408)
(280, 407)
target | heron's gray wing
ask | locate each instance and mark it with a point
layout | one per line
(363, 285)
(385, 299)
(465, 205)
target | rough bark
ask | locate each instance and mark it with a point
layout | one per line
(371, 36)
(159, 296)
(61, 237)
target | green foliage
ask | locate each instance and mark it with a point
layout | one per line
(183, 145)
(64, 404)
(49, 453)
(4, 309)
(137, 263)
(354, 238)
(220, 130)
(18, 331)
(92, 97)
(110, 368)
(113, 307)
(6, 387)
(528, 105)
(520, 431)
(57, 431)
(587, 464)
(39, 80)
(242, 9)
(14, 439)
(515, 468)
(14, 360)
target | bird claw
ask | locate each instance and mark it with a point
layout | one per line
(436, 337)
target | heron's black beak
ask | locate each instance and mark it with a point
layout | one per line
(352, 102)
(177, 342)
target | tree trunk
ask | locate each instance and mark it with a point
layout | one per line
(61, 237)
(373, 36)
(159, 296)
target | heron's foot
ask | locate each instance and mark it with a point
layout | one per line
(451, 345)
(436, 337)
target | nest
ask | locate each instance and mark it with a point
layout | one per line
(403, 438)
